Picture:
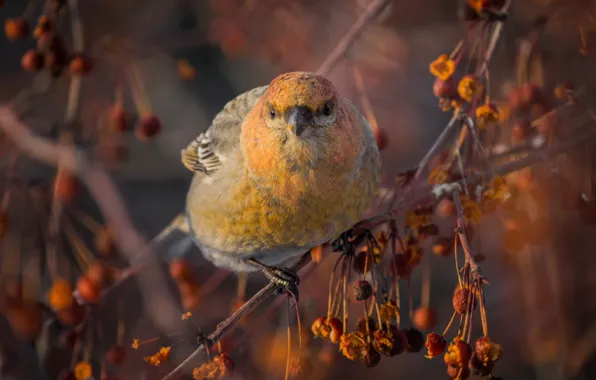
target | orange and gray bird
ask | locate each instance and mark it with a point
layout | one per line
(282, 168)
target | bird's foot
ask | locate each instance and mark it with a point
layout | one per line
(287, 279)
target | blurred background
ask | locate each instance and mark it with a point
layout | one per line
(194, 56)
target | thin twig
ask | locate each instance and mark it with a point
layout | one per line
(476, 271)
(371, 13)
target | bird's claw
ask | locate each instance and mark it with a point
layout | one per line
(287, 279)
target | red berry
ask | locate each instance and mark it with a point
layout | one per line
(148, 127)
(80, 64)
(32, 61)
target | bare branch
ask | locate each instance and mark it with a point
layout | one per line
(374, 9)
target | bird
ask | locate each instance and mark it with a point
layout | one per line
(283, 168)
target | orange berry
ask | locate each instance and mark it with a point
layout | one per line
(80, 65)
(148, 127)
(88, 290)
(97, 274)
(424, 318)
(16, 28)
(32, 61)
(60, 295)
(435, 344)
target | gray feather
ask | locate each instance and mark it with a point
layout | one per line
(205, 153)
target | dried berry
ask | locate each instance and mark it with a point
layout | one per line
(327, 329)
(458, 354)
(390, 342)
(353, 346)
(479, 368)
(388, 311)
(372, 358)
(455, 373)
(487, 350)
(460, 300)
(425, 318)
(415, 340)
(435, 344)
(363, 290)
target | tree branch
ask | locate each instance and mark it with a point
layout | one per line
(371, 13)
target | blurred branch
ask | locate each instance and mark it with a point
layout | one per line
(374, 9)
(101, 187)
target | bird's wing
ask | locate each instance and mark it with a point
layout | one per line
(206, 152)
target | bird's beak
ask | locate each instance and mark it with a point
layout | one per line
(298, 119)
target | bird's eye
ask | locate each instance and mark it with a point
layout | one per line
(272, 113)
(327, 109)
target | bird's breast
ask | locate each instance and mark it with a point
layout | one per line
(296, 210)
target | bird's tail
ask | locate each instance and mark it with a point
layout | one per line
(177, 246)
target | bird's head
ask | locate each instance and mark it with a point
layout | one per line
(301, 122)
(300, 104)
